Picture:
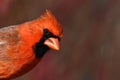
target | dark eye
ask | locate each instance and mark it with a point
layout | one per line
(48, 34)
(46, 31)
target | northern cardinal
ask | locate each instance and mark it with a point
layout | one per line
(22, 46)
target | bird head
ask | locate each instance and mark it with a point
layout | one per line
(52, 30)
(52, 33)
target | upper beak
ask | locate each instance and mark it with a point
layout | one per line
(52, 43)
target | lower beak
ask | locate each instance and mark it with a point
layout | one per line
(52, 43)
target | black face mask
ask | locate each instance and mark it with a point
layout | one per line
(40, 48)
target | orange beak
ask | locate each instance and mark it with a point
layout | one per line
(52, 43)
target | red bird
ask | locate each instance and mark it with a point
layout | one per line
(22, 46)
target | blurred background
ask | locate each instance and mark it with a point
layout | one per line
(90, 48)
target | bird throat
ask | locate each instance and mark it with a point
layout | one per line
(40, 48)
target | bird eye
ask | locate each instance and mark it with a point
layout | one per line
(48, 34)
(46, 31)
